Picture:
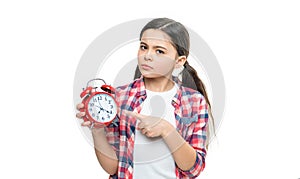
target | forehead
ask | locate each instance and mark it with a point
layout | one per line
(156, 36)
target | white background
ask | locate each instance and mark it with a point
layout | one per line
(256, 42)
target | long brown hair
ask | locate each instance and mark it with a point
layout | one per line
(181, 40)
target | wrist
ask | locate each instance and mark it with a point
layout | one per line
(98, 132)
(167, 129)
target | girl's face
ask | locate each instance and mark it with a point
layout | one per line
(156, 55)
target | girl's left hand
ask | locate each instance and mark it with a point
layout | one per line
(151, 126)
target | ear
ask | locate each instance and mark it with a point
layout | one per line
(180, 61)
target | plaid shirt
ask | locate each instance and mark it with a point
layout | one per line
(191, 114)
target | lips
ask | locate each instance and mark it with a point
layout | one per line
(146, 67)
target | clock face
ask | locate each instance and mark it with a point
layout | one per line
(102, 108)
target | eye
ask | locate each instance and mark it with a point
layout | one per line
(160, 52)
(143, 47)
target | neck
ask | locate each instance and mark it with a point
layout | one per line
(159, 84)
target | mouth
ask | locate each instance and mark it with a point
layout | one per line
(146, 67)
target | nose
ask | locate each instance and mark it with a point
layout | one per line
(148, 56)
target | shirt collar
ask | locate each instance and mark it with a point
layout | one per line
(140, 85)
(141, 90)
(177, 98)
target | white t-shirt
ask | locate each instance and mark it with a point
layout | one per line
(152, 157)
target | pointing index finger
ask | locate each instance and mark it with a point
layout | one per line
(134, 114)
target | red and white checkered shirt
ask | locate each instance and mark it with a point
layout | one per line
(191, 114)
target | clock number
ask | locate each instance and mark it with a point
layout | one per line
(108, 110)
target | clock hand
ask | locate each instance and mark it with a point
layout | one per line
(99, 107)
(102, 107)
(99, 103)
(106, 110)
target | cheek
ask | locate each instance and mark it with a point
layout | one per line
(140, 56)
(164, 66)
(139, 53)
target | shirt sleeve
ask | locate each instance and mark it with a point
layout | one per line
(112, 135)
(198, 140)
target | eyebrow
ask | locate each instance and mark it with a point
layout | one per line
(156, 46)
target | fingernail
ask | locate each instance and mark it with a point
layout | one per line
(79, 106)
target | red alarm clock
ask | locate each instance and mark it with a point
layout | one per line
(100, 107)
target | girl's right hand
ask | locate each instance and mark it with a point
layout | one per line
(80, 115)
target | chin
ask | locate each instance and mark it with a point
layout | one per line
(150, 75)
(153, 75)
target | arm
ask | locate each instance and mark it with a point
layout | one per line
(105, 153)
(189, 152)
(106, 143)
(183, 154)
(190, 155)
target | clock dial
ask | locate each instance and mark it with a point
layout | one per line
(102, 108)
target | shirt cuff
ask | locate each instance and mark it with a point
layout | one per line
(196, 169)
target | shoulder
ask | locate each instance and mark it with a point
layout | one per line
(191, 94)
(130, 89)
(127, 87)
(127, 94)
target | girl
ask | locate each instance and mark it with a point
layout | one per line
(162, 125)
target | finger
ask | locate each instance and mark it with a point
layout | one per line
(144, 131)
(149, 134)
(87, 123)
(134, 114)
(80, 115)
(155, 121)
(79, 106)
(141, 125)
(149, 123)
